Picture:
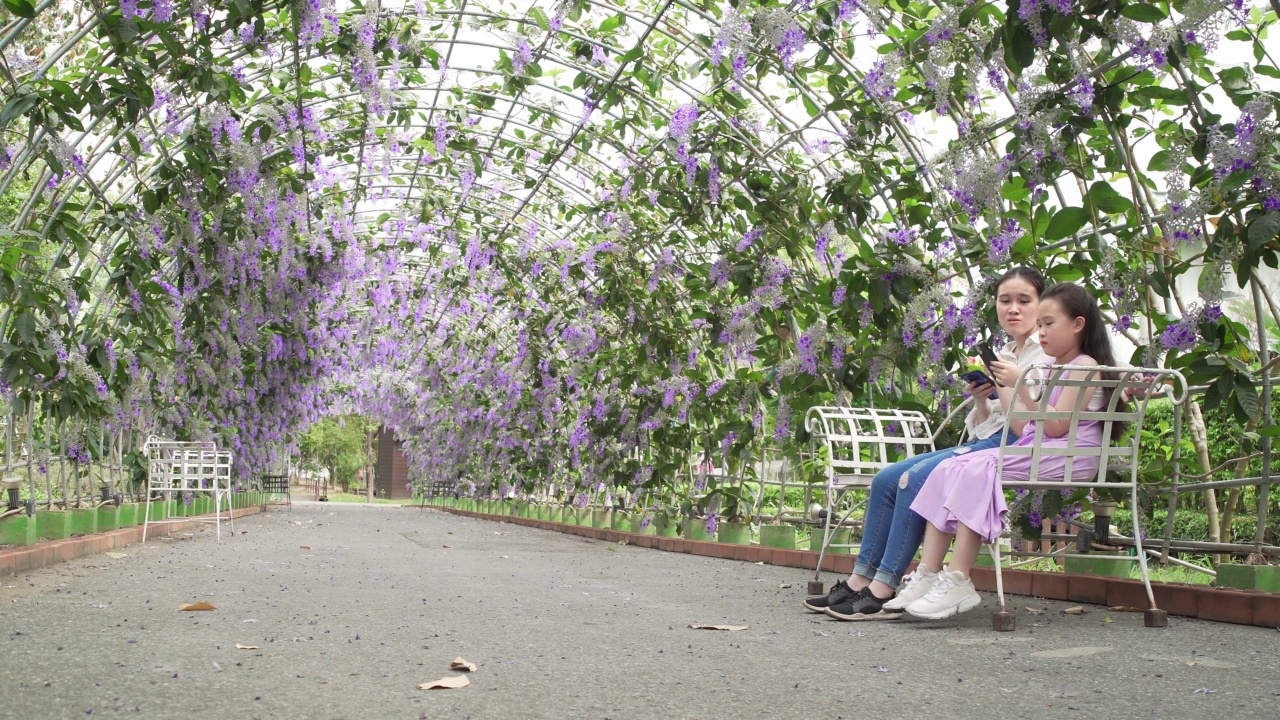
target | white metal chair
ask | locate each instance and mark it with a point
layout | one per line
(1115, 457)
(185, 468)
(858, 443)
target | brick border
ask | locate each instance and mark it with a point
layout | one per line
(49, 552)
(1239, 607)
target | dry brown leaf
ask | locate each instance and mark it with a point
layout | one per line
(462, 665)
(446, 683)
(1036, 611)
(116, 555)
(305, 547)
(246, 647)
(1124, 608)
(730, 628)
(1077, 610)
(448, 546)
(202, 605)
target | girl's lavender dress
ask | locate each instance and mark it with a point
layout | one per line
(965, 489)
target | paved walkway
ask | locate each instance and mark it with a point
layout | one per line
(560, 626)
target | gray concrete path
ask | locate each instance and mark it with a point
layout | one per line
(561, 627)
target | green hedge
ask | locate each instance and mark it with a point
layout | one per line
(1194, 525)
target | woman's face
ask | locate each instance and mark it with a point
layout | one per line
(1058, 330)
(1016, 303)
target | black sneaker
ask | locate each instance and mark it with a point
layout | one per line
(839, 593)
(862, 606)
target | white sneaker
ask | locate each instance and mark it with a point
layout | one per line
(952, 593)
(913, 587)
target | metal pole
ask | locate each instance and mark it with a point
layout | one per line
(1264, 356)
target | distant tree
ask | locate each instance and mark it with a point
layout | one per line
(339, 445)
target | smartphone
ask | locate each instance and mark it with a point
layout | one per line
(977, 377)
(987, 354)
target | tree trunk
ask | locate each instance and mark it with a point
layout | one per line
(1200, 440)
(1233, 496)
(370, 468)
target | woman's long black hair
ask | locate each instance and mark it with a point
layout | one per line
(1094, 341)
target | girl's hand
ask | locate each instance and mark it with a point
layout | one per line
(1005, 372)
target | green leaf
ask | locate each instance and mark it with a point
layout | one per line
(810, 107)
(1143, 12)
(613, 23)
(1263, 230)
(1066, 222)
(540, 18)
(1106, 200)
(21, 8)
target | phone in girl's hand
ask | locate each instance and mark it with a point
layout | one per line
(987, 354)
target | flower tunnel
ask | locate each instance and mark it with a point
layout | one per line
(580, 249)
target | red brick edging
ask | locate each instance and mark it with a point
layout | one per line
(43, 554)
(1240, 607)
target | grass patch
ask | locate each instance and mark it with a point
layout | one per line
(353, 497)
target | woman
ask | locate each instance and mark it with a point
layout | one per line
(892, 533)
(964, 496)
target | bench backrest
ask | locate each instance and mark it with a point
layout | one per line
(1140, 384)
(860, 442)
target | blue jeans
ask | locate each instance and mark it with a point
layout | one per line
(892, 533)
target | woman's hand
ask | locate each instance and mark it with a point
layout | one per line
(1005, 372)
(982, 391)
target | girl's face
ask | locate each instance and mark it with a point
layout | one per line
(1059, 332)
(1016, 303)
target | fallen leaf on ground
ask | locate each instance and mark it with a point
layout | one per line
(250, 620)
(761, 563)
(784, 586)
(622, 542)
(462, 665)
(446, 683)
(504, 557)
(819, 633)
(882, 669)
(202, 605)
(246, 647)
(1124, 608)
(449, 546)
(730, 628)
(117, 556)
(1204, 691)
(1077, 610)
(1036, 611)
(305, 547)
(1107, 620)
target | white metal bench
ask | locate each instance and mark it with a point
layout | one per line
(175, 469)
(857, 443)
(1118, 458)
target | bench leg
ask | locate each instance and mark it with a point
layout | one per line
(816, 587)
(1004, 621)
(1155, 618)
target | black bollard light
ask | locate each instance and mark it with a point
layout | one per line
(11, 486)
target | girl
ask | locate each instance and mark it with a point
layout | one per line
(892, 532)
(963, 496)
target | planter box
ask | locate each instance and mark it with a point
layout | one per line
(695, 529)
(557, 514)
(600, 518)
(1249, 577)
(522, 509)
(544, 512)
(108, 518)
(734, 533)
(155, 510)
(666, 526)
(51, 525)
(643, 527)
(582, 516)
(1098, 565)
(838, 536)
(128, 515)
(622, 521)
(778, 536)
(18, 530)
(82, 521)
